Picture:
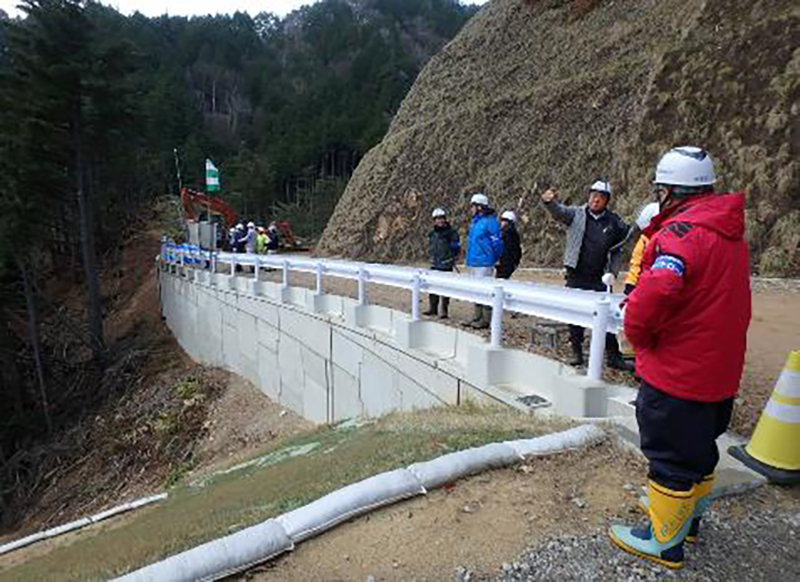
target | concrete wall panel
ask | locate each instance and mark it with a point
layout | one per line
(347, 354)
(379, 387)
(346, 397)
(309, 330)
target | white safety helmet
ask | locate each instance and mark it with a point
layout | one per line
(648, 213)
(438, 213)
(509, 215)
(251, 225)
(687, 166)
(601, 186)
(240, 226)
(480, 199)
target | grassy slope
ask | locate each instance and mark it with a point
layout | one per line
(278, 482)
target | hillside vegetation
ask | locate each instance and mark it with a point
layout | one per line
(536, 93)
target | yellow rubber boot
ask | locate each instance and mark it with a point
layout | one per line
(661, 541)
(702, 492)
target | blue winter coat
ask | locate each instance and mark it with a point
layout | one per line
(484, 243)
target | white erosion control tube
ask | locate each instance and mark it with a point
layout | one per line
(225, 556)
(80, 523)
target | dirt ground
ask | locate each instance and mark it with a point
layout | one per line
(478, 523)
(774, 331)
(241, 421)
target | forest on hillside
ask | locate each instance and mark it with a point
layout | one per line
(94, 106)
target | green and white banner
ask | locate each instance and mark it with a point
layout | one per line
(212, 177)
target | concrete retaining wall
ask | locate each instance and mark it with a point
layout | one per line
(328, 358)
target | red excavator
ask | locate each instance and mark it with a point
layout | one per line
(195, 203)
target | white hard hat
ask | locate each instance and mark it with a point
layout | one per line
(439, 212)
(686, 166)
(251, 225)
(648, 213)
(509, 215)
(481, 199)
(240, 226)
(601, 186)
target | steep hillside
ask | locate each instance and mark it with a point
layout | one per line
(558, 92)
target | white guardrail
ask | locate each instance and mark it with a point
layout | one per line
(599, 312)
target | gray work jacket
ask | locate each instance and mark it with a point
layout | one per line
(574, 218)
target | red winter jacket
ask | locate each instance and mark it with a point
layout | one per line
(688, 316)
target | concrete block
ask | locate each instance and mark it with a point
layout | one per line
(331, 305)
(268, 312)
(268, 335)
(314, 367)
(248, 347)
(230, 347)
(439, 384)
(255, 288)
(579, 397)
(297, 296)
(346, 398)
(415, 397)
(291, 370)
(315, 401)
(373, 317)
(269, 373)
(379, 387)
(346, 353)
(309, 330)
(483, 365)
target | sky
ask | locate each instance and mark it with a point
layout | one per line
(193, 7)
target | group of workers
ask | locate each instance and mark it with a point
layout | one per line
(493, 247)
(686, 314)
(254, 239)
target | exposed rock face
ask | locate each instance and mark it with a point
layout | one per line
(534, 93)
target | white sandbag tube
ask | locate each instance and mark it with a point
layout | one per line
(219, 558)
(225, 556)
(350, 501)
(449, 468)
(79, 523)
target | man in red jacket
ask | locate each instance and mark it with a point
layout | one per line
(687, 320)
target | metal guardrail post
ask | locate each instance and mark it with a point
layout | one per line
(319, 279)
(496, 341)
(213, 263)
(256, 267)
(362, 286)
(285, 274)
(233, 266)
(415, 293)
(598, 343)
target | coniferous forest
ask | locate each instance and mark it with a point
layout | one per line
(94, 106)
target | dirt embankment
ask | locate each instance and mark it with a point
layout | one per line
(533, 94)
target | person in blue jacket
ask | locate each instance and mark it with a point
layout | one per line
(484, 249)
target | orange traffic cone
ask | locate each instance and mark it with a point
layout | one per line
(774, 449)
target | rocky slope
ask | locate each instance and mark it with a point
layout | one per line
(534, 93)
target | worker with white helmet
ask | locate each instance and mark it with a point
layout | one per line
(444, 245)
(647, 214)
(595, 238)
(512, 249)
(484, 249)
(687, 319)
(250, 238)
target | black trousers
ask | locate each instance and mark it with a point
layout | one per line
(678, 436)
(433, 301)
(576, 332)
